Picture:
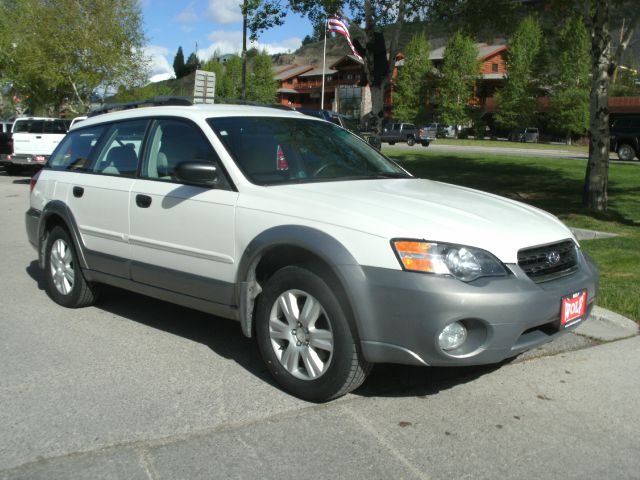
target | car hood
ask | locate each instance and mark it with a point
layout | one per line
(420, 209)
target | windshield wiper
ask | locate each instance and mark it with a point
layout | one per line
(391, 175)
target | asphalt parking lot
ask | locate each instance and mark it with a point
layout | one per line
(138, 388)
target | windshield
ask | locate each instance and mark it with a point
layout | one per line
(276, 150)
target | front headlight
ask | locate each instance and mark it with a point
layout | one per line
(464, 263)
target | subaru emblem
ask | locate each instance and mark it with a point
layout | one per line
(553, 257)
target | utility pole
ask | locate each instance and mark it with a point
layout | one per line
(244, 50)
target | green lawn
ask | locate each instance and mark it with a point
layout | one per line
(555, 185)
(505, 144)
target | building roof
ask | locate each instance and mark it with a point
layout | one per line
(292, 72)
(493, 76)
(349, 57)
(317, 71)
(484, 51)
(287, 90)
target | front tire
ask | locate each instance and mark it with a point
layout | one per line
(411, 141)
(65, 283)
(425, 144)
(626, 152)
(305, 339)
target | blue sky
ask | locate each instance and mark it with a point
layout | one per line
(211, 24)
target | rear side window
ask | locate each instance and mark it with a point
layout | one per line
(55, 126)
(77, 149)
(121, 151)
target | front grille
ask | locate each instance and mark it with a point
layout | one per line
(538, 262)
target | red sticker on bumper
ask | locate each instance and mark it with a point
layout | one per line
(573, 308)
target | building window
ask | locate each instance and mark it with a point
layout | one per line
(494, 67)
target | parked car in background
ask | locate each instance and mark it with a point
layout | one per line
(34, 139)
(399, 132)
(77, 120)
(6, 144)
(529, 135)
(625, 137)
(327, 252)
(427, 134)
(345, 122)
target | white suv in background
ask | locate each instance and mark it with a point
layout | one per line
(34, 139)
(330, 254)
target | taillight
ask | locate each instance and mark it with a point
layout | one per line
(40, 158)
(8, 157)
(33, 181)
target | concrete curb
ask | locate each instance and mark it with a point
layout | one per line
(605, 325)
(584, 234)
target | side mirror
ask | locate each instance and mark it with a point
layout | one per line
(203, 174)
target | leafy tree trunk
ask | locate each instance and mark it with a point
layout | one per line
(595, 182)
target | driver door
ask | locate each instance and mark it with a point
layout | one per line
(182, 236)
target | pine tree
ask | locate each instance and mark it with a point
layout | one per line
(516, 102)
(412, 84)
(178, 64)
(460, 70)
(193, 64)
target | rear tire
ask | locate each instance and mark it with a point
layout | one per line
(392, 143)
(425, 144)
(11, 170)
(65, 283)
(305, 338)
(626, 152)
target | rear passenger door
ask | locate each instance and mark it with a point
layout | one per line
(99, 197)
(182, 236)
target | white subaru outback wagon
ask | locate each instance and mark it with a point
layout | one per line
(330, 254)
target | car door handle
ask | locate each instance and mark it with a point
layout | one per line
(143, 201)
(38, 136)
(78, 192)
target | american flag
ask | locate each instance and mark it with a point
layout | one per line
(337, 25)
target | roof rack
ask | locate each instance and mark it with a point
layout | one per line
(179, 101)
(150, 102)
(238, 101)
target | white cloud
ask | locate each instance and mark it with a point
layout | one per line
(224, 11)
(186, 18)
(159, 65)
(231, 42)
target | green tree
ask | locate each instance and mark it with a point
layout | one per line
(571, 87)
(193, 64)
(516, 102)
(231, 83)
(413, 82)
(213, 65)
(262, 86)
(178, 64)
(62, 51)
(460, 71)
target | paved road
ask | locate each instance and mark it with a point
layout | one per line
(506, 150)
(137, 388)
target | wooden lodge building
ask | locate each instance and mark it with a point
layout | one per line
(301, 85)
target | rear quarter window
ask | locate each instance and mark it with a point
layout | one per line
(77, 149)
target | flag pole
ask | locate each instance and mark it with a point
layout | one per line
(324, 56)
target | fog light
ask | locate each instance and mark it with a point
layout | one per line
(452, 336)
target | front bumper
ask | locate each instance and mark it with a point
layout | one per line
(399, 314)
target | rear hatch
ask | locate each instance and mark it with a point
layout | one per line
(37, 136)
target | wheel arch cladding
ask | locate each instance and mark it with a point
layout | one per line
(291, 245)
(55, 213)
